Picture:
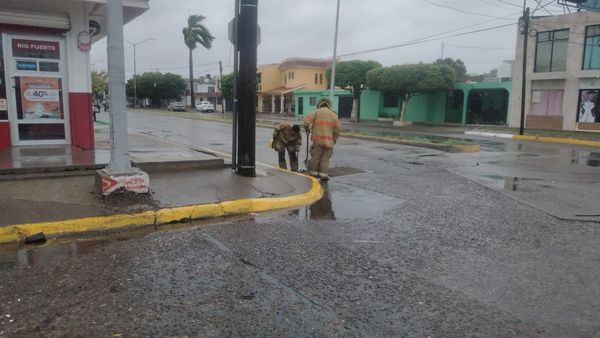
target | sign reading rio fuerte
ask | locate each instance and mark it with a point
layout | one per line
(37, 49)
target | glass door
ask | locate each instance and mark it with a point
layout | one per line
(36, 74)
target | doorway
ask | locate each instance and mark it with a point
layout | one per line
(300, 105)
(36, 75)
(345, 107)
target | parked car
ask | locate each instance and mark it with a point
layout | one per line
(205, 106)
(176, 106)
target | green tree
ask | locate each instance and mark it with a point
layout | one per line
(99, 85)
(157, 87)
(227, 86)
(458, 65)
(196, 33)
(407, 81)
(352, 75)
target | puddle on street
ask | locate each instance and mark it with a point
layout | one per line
(343, 202)
(19, 255)
(587, 158)
(521, 184)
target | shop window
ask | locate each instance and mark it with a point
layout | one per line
(547, 103)
(390, 101)
(312, 100)
(551, 51)
(589, 106)
(591, 58)
(34, 132)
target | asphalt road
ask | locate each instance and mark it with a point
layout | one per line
(408, 242)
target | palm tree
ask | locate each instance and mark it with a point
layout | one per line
(196, 33)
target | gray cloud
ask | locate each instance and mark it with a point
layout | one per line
(304, 28)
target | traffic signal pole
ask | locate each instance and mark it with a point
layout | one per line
(234, 124)
(246, 89)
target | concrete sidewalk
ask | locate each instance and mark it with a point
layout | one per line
(51, 189)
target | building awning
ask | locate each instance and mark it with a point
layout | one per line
(54, 14)
(35, 19)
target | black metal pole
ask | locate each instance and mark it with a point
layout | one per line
(221, 87)
(247, 44)
(234, 133)
(524, 83)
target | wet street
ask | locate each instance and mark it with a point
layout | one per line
(407, 242)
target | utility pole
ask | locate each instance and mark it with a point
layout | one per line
(525, 33)
(334, 61)
(221, 86)
(119, 147)
(442, 50)
(118, 173)
(234, 145)
(247, 44)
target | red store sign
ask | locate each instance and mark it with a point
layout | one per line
(36, 49)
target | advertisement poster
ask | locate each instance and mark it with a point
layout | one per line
(40, 98)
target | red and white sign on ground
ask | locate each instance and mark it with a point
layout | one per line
(138, 182)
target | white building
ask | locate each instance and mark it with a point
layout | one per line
(563, 73)
(45, 84)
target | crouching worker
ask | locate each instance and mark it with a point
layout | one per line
(287, 137)
(325, 132)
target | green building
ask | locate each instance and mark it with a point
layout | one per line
(468, 103)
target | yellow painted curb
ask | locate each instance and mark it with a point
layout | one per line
(573, 141)
(18, 232)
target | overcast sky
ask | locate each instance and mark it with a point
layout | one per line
(305, 28)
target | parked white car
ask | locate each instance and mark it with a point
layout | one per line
(205, 106)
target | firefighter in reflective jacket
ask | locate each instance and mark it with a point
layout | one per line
(325, 132)
(287, 137)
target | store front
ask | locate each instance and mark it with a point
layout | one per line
(35, 74)
(45, 71)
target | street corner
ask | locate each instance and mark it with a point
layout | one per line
(305, 190)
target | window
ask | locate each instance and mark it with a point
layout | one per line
(321, 78)
(312, 100)
(259, 81)
(591, 59)
(551, 51)
(547, 103)
(292, 75)
(289, 76)
(390, 101)
(316, 78)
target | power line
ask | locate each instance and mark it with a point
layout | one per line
(476, 47)
(464, 11)
(509, 3)
(425, 40)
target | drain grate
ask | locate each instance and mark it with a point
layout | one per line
(344, 171)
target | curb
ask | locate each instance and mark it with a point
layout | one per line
(18, 232)
(546, 139)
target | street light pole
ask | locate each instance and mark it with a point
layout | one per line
(135, 100)
(334, 61)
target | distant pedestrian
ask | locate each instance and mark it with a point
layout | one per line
(325, 132)
(287, 137)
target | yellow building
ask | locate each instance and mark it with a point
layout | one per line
(277, 82)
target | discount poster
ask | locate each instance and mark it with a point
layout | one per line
(40, 98)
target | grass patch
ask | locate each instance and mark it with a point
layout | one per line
(419, 138)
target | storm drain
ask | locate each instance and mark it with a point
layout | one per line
(344, 171)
